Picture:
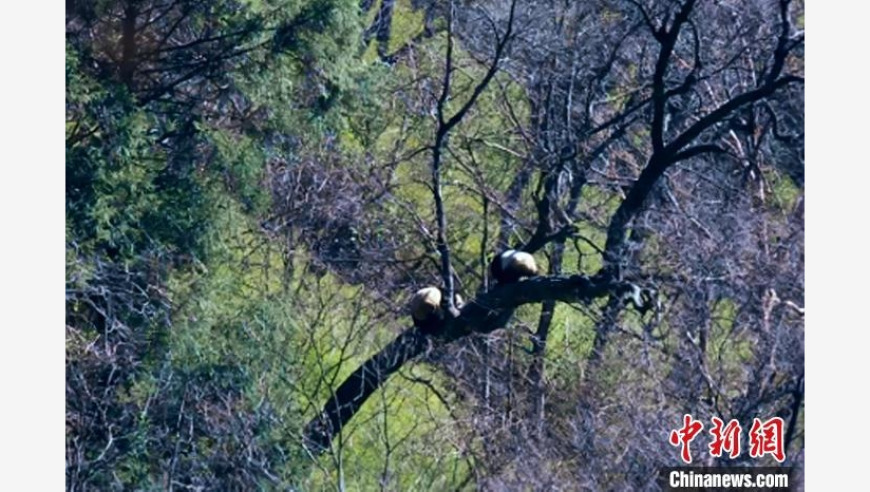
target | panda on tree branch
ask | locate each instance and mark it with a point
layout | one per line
(489, 311)
(428, 305)
(512, 265)
(427, 308)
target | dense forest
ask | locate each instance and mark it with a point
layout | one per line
(255, 190)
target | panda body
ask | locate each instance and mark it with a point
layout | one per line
(642, 299)
(512, 265)
(426, 306)
(426, 309)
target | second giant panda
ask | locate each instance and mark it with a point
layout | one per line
(512, 265)
(426, 309)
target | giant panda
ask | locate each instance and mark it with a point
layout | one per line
(642, 299)
(426, 309)
(512, 265)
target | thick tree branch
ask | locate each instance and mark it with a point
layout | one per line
(798, 398)
(488, 312)
(437, 152)
(501, 45)
(127, 66)
(668, 39)
(673, 153)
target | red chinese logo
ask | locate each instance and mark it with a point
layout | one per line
(683, 436)
(766, 438)
(725, 438)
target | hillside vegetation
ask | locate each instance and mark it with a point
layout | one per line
(255, 190)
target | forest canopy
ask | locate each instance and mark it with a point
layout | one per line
(256, 189)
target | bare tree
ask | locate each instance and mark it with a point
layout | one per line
(658, 145)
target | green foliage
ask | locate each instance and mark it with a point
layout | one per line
(730, 349)
(568, 345)
(397, 439)
(201, 339)
(785, 192)
(164, 247)
(407, 23)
